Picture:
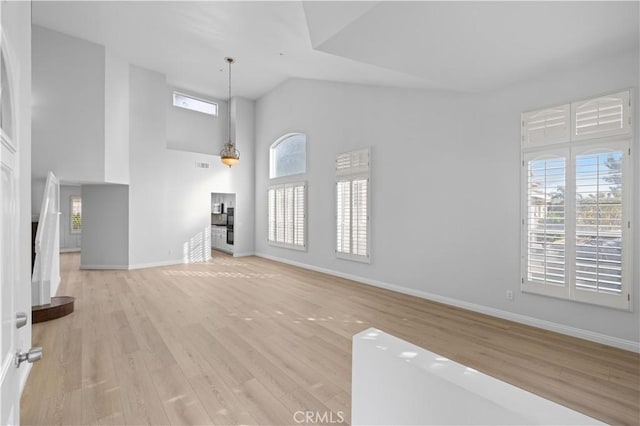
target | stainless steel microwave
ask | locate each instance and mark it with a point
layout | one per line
(218, 208)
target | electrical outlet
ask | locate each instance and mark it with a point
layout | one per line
(509, 295)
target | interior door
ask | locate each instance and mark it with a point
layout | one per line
(13, 314)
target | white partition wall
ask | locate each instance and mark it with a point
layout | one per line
(397, 383)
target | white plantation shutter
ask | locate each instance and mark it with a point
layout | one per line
(288, 212)
(353, 163)
(287, 215)
(352, 205)
(272, 215)
(545, 221)
(280, 215)
(360, 222)
(546, 126)
(343, 240)
(299, 216)
(604, 116)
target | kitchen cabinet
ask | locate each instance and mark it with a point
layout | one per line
(216, 199)
(219, 239)
(229, 200)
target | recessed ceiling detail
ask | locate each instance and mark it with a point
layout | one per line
(479, 46)
(459, 46)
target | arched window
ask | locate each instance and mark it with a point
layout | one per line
(288, 156)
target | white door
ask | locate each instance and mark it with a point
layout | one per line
(12, 312)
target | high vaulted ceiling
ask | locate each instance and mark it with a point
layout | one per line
(460, 46)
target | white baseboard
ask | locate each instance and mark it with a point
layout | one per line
(70, 250)
(156, 264)
(106, 267)
(135, 266)
(604, 339)
(243, 254)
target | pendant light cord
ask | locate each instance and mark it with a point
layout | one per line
(229, 60)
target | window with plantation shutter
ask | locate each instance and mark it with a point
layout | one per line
(352, 205)
(287, 215)
(577, 198)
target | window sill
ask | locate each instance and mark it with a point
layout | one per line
(354, 257)
(287, 246)
(619, 302)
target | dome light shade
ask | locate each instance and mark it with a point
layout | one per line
(229, 155)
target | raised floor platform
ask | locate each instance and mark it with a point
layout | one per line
(59, 307)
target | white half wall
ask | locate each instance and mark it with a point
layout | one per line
(105, 227)
(445, 218)
(396, 382)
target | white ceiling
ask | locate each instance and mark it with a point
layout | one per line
(463, 46)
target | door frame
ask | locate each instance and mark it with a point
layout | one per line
(15, 378)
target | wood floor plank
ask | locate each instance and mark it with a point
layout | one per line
(140, 402)
(178, 398)
(223, 403)
(252, 341)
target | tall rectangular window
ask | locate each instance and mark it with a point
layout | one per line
(287, 215)
(76, 214)
(352, 205)
(577, 204)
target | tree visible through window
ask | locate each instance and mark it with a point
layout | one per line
(577, 201)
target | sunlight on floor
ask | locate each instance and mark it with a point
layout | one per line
(219, 274)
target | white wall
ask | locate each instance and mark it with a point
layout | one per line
(68, 107)
(454, 193)
(68, 241)
(169, 198)
(194, 131)
(80, 110)
(243, 176)
(105, 227)
(116, 132)
(16, 26)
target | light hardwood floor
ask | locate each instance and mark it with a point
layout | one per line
(248, 340)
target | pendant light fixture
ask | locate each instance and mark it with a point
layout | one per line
(229, 154)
